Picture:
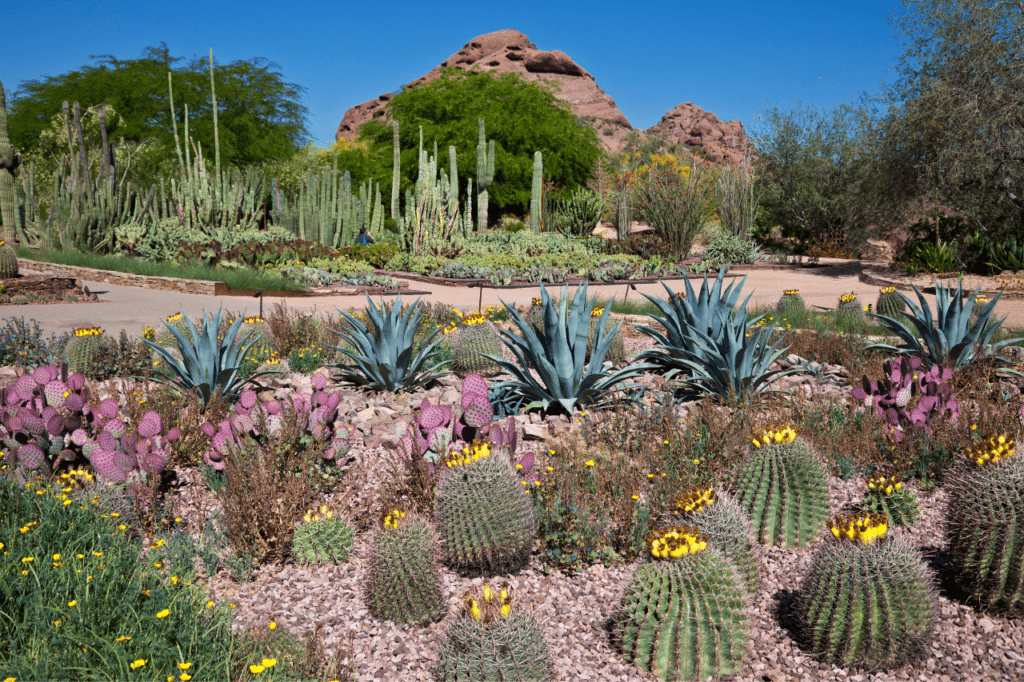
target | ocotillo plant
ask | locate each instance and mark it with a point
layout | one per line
(485, 158)
(536, 207)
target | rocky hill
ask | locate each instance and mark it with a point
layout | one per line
(510, 51)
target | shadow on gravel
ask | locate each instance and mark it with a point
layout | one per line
(784, 613)
(940, 561)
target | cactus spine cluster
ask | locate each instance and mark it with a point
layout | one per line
(867, 599)
(82, 348)
(493, 638)
(984, 524)
(472, 343)
(726, 526)
(783, 488)
(684, 615)
(484, 515)
(889, 303)
(403, 582)
(8, 260)
(322, 537)
(887, 495)
(791, 303)
(536, 205)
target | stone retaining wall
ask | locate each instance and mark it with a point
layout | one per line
(185, 286)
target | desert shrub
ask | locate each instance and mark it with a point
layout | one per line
(22, 344)
(376, 255)
(252, 254)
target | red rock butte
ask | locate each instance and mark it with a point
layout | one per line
(509, 51)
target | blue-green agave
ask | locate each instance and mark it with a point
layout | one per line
(948, 340)
(558, 354)
(206, 361)
(383, 360)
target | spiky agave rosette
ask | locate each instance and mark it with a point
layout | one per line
(868, 598)
(493, 638)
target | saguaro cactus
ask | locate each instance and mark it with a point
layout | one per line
(396, 158)
(484, 175)
(536, 207)
(9, 160)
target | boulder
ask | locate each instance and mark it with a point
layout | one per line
(688, 124)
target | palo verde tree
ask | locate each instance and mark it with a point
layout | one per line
(520, 116)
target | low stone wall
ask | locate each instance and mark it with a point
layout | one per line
(184, 286)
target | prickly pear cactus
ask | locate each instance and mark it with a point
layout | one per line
(783, 488)
(322, 537)
(484, 514)
(685, 615)
(8, 261)
(867, 599)
(984, 524)
(726, 526)
(849, 310)
(887, 495)
(791, 303)
(472, 343)
(403, 582)
(890, 303)
(493, 639)
(82, 348)
(617, 351)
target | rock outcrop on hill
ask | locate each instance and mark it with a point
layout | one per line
(509, 51)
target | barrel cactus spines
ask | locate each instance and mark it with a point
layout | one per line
(984, 523)
(979, 304)
(617, 351)
(484, 514)
(867, 599)
(493, 638)
(164, 336)
(255, 328)
(849, 309)
(887, 495)
(82, 348)
(403, 581)
(472, 343)
(685, 615)
(8, 261)
(726, 526)
(889, 302)
(322, 538)
(791, 303)
(783, 488)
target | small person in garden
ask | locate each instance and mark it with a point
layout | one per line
(364, 238)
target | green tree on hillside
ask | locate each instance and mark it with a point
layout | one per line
(521, 118)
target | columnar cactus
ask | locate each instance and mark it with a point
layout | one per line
(791, 303)
(483, 512)
(485, 159)
(472, 343)
(403, 582)
(8, 260)
(82, 348)
(536, 198)
(984, 524)
(493, 638)
(685, 614)
(9, 162)
(783, 488)
(726, 526)
(889, 303)
(322, 537)
(888, 495)
(867, 599)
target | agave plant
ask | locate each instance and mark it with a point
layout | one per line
(558, 354)
(383, 360)
(949, 340)
(208, 362)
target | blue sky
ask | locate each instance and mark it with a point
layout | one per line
(734, 59)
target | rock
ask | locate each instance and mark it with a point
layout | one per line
(535, 432)
(878, 250)
(688, 124)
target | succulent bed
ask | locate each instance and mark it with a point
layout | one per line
(527, 493)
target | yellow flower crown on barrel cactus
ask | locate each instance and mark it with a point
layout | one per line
(847, 298)
(884, 484)
(887, 290)
(475, 318)
(596, 312)
(862, 528)
(790, 292)
(537, 302)
(478, 449)
(993, 450)
(695, 499)
(312, 516)
(392, 518)
(252, 319)
(88, 331)
(981, 299)
(772, 435)
(672, 542)
(487, 604)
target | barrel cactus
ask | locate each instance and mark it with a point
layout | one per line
(322, 537)
(791, 303)
(887, 495)
(484, 515)
(164, 336)
(867, 599)
(255, 328)
(685, 614)
(8, 261)
(616, 351)
(979, 304)
(984, 524)
(783, 488)
(849, 310)
(403, 582)
(472, 343)
(726, 526)
(82, 348)
(889, 302)
(493, 638)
